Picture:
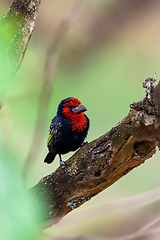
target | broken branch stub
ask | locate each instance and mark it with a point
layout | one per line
(100, 163)
(151, 103)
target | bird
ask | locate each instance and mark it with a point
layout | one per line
(68, 129)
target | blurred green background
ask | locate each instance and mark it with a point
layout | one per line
(104, 59)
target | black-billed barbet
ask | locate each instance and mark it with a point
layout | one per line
(68, 129)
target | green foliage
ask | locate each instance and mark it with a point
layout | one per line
(16, 216)
(17, 219)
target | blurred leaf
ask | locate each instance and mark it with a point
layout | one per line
(16, 218)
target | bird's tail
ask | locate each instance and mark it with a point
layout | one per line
(50, 157)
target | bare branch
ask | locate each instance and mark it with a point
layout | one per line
(147, 230)
(130, 202)
(48, 81)
(103, 25)
(100, 163)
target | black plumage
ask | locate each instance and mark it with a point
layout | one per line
(68, 129)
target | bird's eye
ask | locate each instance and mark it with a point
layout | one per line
(70, 107)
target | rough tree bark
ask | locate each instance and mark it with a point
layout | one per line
(16, 27)
(100, 163)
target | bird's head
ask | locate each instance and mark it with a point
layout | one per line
(71, 108)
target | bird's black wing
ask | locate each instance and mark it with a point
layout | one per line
(54, 130)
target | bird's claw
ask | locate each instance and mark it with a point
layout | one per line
(62, 163)
(83, 143)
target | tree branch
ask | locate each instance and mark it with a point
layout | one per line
(100, 163)
(48, 82)
(149, 229)
(19, 21)
(138, 200)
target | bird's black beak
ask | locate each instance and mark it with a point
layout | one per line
(80, 108)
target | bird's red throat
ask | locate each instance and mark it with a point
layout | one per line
(78, 121)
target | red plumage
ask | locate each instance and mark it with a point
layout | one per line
(68, 128)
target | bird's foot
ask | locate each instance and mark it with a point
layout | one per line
(83, 144)
(61, 161)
